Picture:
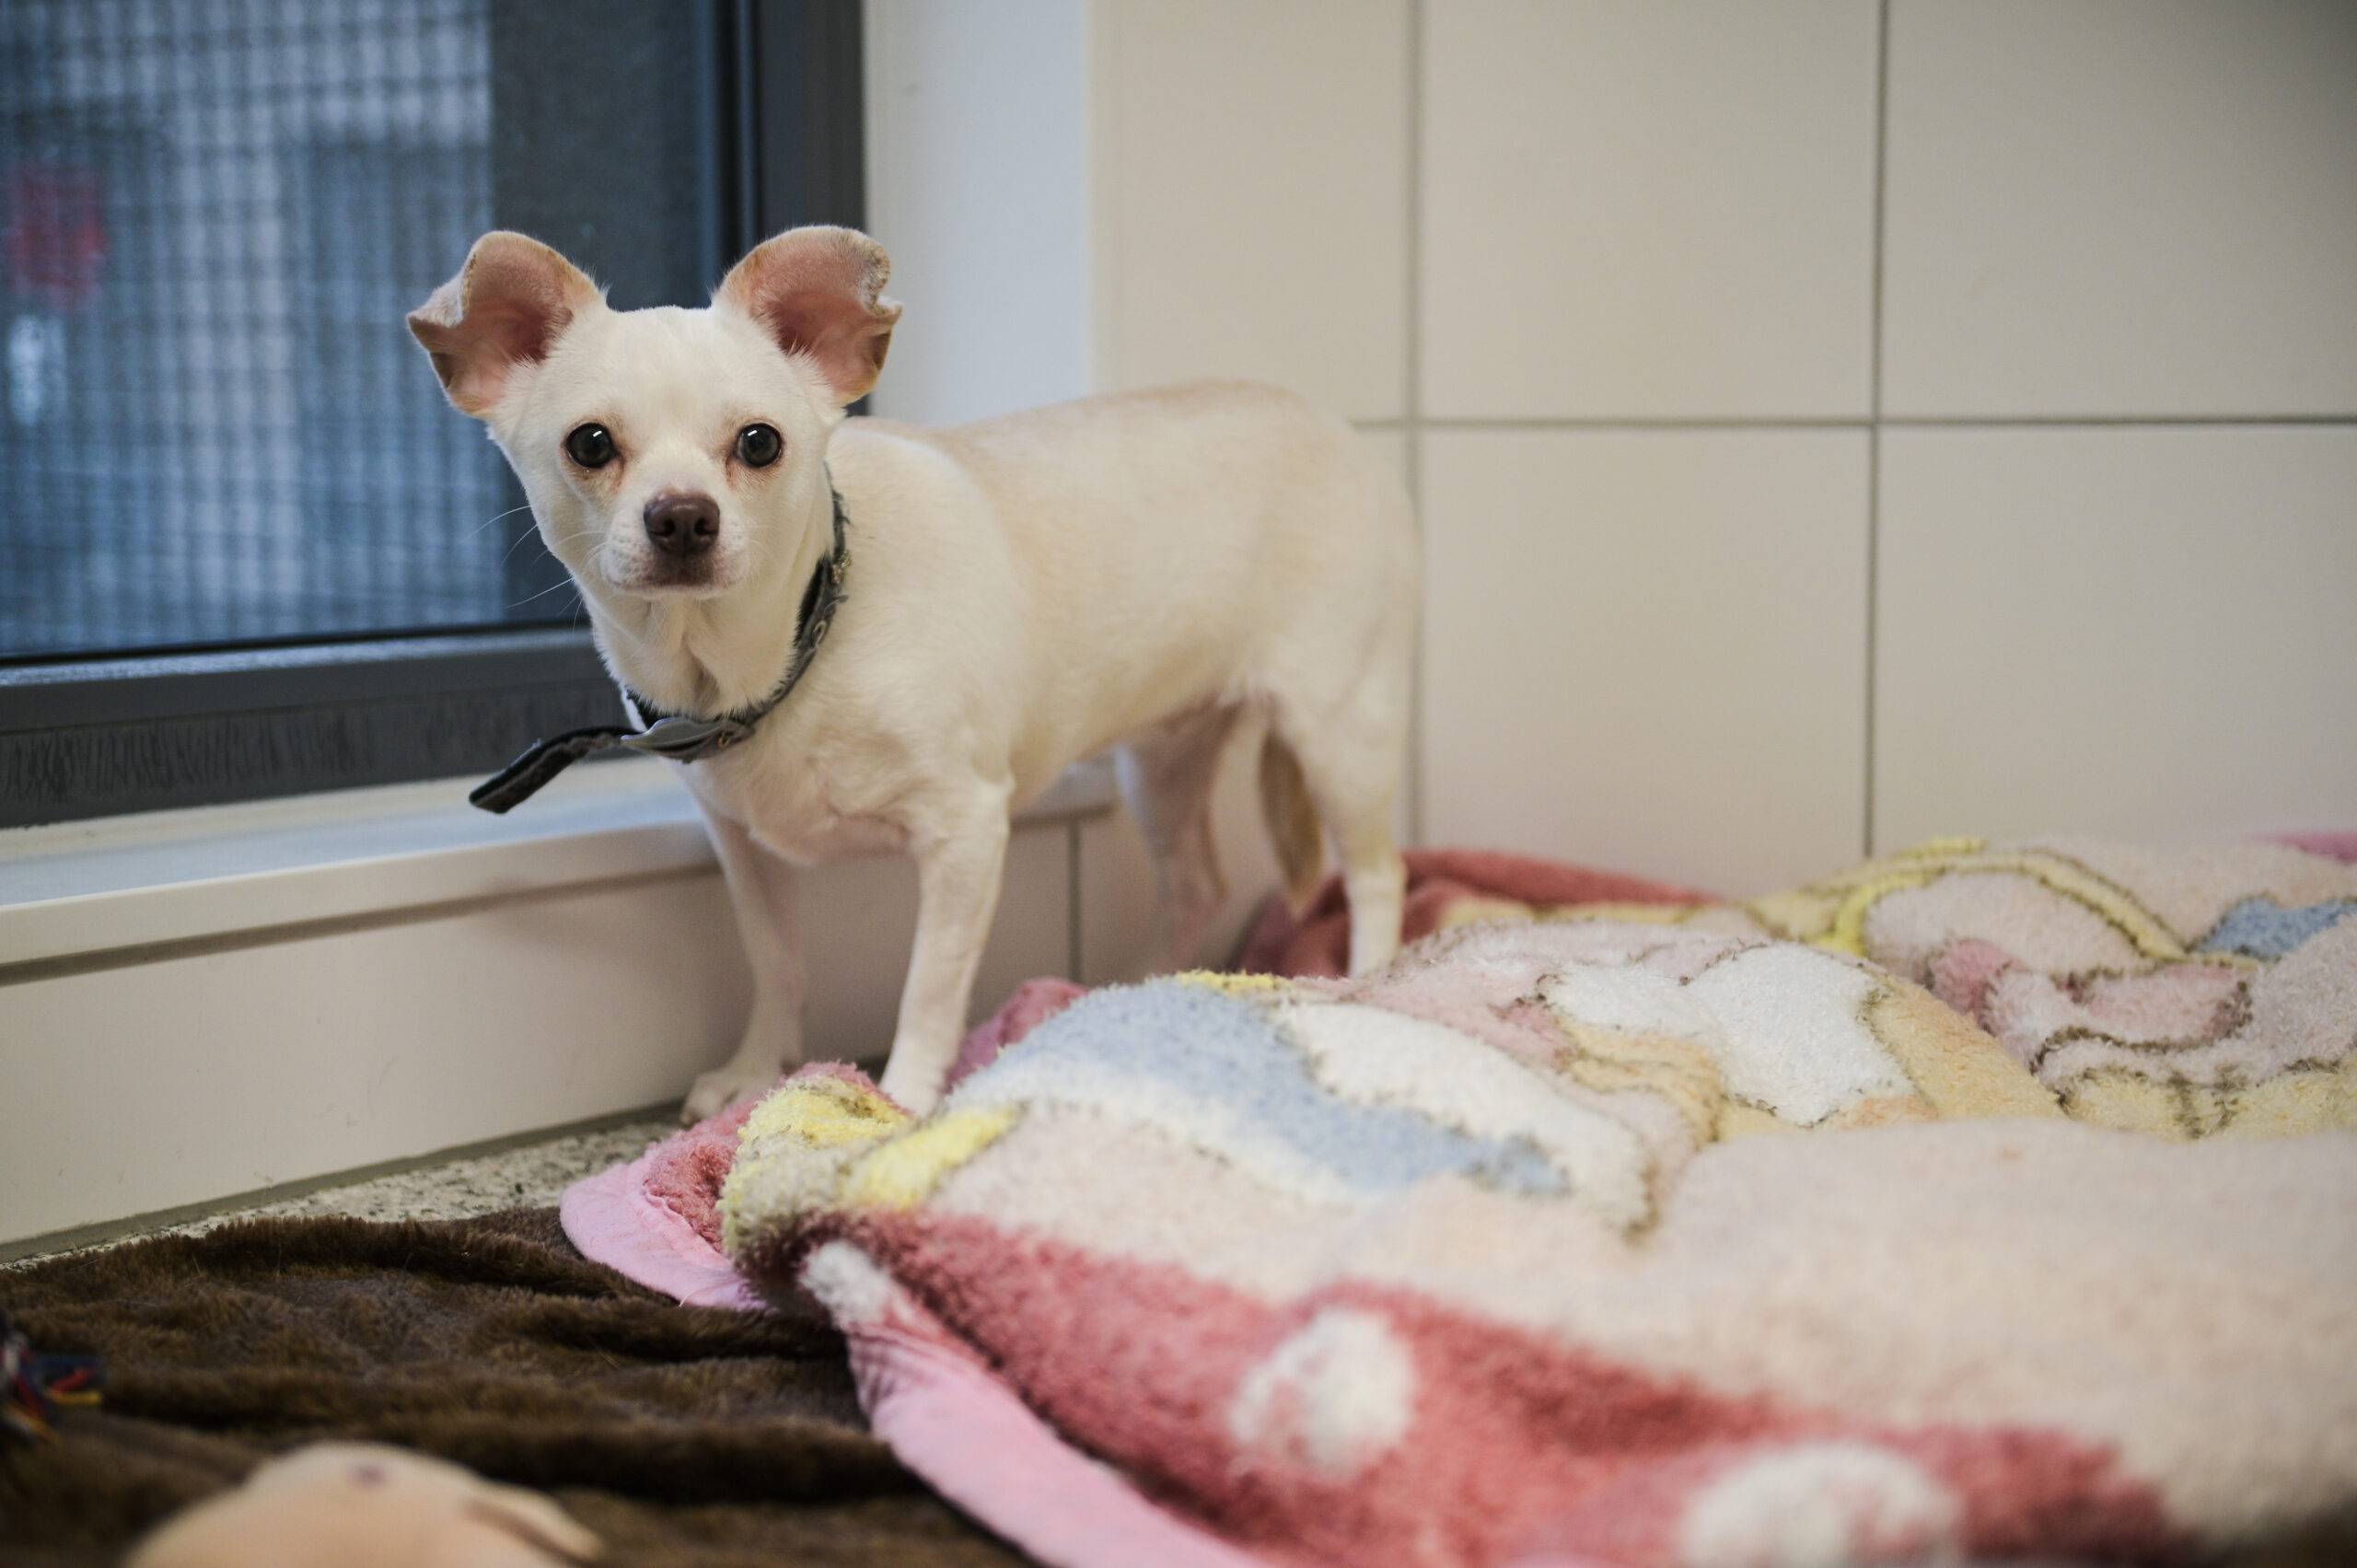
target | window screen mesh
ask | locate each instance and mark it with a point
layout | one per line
(214, 215)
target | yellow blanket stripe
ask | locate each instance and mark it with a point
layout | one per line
(1244, 985)
(824, 1113)
(1832, 913)
(904, 1172)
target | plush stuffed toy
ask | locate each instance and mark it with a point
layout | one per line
(363, 1505)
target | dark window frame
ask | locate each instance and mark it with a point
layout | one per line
(90, 737)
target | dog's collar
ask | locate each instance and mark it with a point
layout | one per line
(682, 738)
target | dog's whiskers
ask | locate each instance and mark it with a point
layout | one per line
(562, 539)
(497, 518)
(553, 588)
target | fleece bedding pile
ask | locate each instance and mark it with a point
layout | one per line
(1984, 1202)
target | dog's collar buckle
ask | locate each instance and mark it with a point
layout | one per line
(688, 740)
(682, 737)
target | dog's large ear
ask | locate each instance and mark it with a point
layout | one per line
(819, 291)
(504, 308)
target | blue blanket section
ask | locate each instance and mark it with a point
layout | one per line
(2261, 928)
(1179, 1044)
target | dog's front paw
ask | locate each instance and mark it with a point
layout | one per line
(914, 1091)
(723, 1086)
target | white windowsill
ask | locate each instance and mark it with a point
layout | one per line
(74, 889)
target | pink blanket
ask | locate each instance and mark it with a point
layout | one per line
(1705, 1233)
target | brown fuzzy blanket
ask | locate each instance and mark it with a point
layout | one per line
(682, 1436)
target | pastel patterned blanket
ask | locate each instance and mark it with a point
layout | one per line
(1985, 1201)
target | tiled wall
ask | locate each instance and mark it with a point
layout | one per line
(978, 151)
(1834, 423)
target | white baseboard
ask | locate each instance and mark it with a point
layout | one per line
(201, 1004)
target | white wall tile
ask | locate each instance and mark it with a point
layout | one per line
(1252, 192)
(1647, 208)
(2137, 633)
(978, 185)
(1391, 444)
(1117, 902)
(1119, 934)
(859, 921)
(2120, 207)
(1646, 650)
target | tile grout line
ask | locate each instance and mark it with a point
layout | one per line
(2064, 422)
(1466, 423)
(2116, 421)
(1411, 406)
(1873, 427)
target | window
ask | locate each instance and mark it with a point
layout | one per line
(248, 549)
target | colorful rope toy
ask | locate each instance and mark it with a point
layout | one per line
(32, 1386)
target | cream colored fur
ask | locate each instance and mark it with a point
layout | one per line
(1132, 570)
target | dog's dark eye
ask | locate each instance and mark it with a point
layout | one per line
(591, 446)
(759, 445)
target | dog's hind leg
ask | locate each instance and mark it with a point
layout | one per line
(1166, 776)
(1294, 827)
(761, 891)
(1351, 767)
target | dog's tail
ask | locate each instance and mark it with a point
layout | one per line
(1294, 826)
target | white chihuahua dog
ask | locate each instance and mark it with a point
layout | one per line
(994, 602)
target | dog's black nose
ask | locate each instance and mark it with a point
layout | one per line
(682, 525)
